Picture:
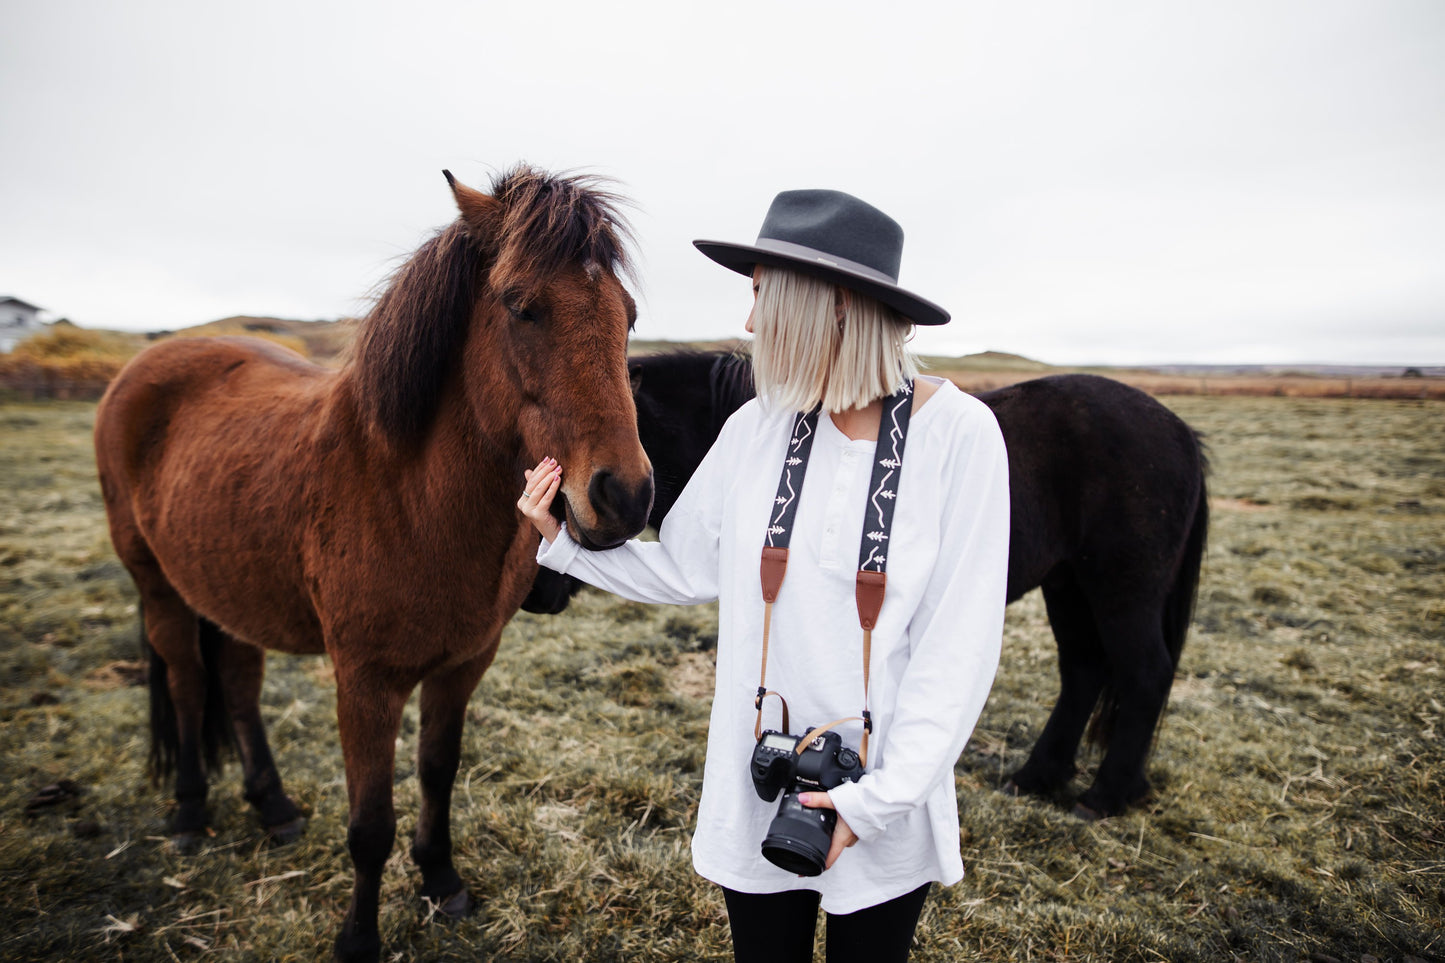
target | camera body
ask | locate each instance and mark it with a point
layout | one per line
(798, 838)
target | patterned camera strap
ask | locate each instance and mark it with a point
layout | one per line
(872, 553)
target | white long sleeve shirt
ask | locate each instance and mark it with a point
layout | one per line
(935, 648)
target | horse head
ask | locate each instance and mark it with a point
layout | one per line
(549, 336)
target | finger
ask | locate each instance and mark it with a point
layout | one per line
(816, 800)
(543, 486)
(547, 490)
(536, 475)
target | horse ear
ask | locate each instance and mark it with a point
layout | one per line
(481, 213)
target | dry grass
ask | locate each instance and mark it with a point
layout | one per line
(321, 341)
(65, 362)
(1300, 773)
(66, 342)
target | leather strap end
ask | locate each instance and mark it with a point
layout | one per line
(774, 567)
(869, 593)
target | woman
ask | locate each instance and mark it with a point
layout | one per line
(830, 325)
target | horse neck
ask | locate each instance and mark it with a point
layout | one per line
(455, 470)
(467, 460)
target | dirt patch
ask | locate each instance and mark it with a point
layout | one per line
(693, 675)
(116, 675)
(1238, 505)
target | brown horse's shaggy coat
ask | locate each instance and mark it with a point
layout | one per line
(369, 513)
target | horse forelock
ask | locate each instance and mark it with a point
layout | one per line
(550, 223)
(415, 331)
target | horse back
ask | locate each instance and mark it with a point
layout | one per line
(203, 447)
(1100, 471)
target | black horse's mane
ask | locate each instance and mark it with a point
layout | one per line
(730, 384)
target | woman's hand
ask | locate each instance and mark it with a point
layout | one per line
(536, 501)
(843, 835)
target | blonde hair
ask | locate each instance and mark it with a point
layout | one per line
(803, 356)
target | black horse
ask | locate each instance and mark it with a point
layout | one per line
(1109, 516)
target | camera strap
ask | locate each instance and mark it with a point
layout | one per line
(872, 578)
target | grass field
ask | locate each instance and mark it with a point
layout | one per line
(1299, 811)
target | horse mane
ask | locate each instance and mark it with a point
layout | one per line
(413, 335)
(731, 385)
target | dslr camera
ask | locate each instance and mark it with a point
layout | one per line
(798, 838)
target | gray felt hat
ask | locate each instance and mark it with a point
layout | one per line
(834, 236)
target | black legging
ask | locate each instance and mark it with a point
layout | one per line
(778, 928)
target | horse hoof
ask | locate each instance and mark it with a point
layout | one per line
(456, 905)
(187, 843)
(287, 832)
(1011, 788)
(1088, 815)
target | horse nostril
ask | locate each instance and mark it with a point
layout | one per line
(605, 492)
(616, 501)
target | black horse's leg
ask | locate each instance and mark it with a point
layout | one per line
(444, 697)
(1082, 671)
(243, 669)
(550, 592)
(369, 702)
(1141, 673)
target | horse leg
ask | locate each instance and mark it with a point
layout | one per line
(1082, 671)
(368, 714)
(174, 633)
(1141, 673)
(444, 696)
(243, 669)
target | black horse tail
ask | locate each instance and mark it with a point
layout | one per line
(216, 731)
(1178, 604)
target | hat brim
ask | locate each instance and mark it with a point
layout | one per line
(742, 258)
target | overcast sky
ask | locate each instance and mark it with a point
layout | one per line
(1117, 182)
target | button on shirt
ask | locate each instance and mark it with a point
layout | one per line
(934, 654)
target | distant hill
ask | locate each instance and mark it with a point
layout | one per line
(1307, 370)
(70, 362)
(990, 361)
(321, 341)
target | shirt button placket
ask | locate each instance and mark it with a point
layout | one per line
(837, 504)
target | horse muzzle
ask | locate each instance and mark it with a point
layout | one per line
(616, 510)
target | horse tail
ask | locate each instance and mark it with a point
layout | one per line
(216, 733)
(1179, 603)
(1178, 610)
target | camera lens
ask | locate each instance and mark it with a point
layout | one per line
(798, 838)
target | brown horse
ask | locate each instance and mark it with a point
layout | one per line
(369, 512)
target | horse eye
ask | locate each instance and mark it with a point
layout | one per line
(522, 313)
